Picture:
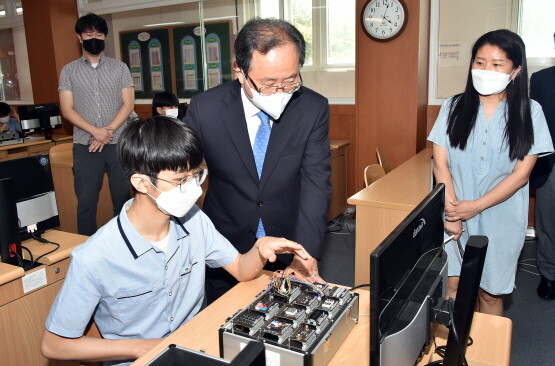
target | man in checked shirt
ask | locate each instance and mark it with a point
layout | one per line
(96, 96)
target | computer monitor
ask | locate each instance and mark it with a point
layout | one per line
(33, 190)
(408, 273)
(40, 117)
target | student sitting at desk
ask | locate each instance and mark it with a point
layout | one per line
(9, 120)
(141, 276)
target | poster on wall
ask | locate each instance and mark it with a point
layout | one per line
(147, 53)
(189, 74)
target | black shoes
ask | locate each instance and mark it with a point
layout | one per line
(546, 289)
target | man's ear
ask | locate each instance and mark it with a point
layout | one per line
(79, 38)
(238, 72)
(160, 111)
(139, 182)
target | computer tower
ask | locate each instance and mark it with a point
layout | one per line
(10, 242)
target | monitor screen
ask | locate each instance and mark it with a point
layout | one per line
(407, 271)
(33, 191)
(39, 117)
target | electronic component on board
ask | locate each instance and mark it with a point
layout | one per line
(295, 313)
(303, 337)
(248, 322)
(286, 299)
(319, 319)
(308, 300)
(265, 305)
(340, 293)
(277, 329)
(330, 304)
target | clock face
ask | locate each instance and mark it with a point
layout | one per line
(384, 20)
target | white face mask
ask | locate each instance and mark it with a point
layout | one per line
(273, 104)
(177, 203)
(172, 112)
(4, 119)
(488, 82)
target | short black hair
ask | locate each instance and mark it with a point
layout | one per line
(4, 109)
(263, 35)
(163, 99)
(149, 146)
(91, 22)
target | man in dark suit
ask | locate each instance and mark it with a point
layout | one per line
(266, 144)
(542, 89)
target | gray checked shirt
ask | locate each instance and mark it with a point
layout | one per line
(96, 92)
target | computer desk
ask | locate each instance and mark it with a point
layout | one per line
(491, 334)
(22, 314)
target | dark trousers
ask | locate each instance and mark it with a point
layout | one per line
(88, 173)
(218, 281)
(545, 227)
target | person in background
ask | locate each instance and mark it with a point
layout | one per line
(486, 142)
(266, 144)
(96, 96)
(542, 90)
(165, 104)
(141, 276)
(9, 119)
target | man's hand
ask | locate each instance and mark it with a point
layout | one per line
(95, 145)
(308, 268)
(142, 346)
(103, 135)
(269, 246)
(461, 210)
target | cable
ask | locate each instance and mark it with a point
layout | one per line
(44, 241)
(359, 286)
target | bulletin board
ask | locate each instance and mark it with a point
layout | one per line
(188, 63)
(154, 56)
(147, 54)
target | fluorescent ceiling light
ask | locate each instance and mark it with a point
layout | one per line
(162, 24)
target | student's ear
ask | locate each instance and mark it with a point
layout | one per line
(160, 111)
(79, 38)
(516, 72)
(139, 182)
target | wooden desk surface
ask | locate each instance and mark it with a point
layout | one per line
(201, 332)
(402, 188)
(67, 242)
(31, 142)
(491, 334)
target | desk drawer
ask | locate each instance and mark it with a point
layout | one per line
(40, 148)
(14, 290)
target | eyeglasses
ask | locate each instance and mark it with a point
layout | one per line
(199, 176)
(266, 90)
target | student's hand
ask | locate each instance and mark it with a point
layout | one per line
(308, 268)
(461, 210)
(269, 246)
(103, 134)
(4, 127)
(142, 346)
(454, 228)
(13, 113)
(95, 146)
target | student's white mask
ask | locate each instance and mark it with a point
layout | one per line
(489, 82)
(176, 202)
(173, 112)
(4, 119)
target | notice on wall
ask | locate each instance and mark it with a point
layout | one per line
(453, 53)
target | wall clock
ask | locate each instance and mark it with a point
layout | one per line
(384, 20)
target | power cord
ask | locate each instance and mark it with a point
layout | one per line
(44, 241)
(359, 286)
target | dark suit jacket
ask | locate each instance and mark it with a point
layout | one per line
(542, 90)
(293, 193)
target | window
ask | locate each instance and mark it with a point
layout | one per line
(327, 25)
(536, 28)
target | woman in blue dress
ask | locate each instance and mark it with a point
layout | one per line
(486, 142)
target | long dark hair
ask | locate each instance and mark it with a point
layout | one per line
(464, 107)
